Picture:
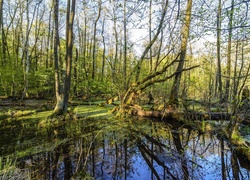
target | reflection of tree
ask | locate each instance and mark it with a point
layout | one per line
(106, 154)
(235, 167)
(67, 164)
(223, 166)
(171, 152)
(148, 153)
(181, 151)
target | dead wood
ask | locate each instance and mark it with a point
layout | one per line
(177, 114)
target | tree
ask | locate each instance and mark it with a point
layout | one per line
(173, 100)
(3, 38)
(59, 98)
(94, 40)
(229, 47)
(62, 95)
(219, 73)
(125, 43)
(69, 50)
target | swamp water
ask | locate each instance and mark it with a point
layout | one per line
(113, 149)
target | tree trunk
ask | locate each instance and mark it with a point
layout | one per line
(104, 49)
(2, 50)
(59, 97)
(69, 51)
(229, 47)
(94, 63)
(125, 45)
(49, 36)
(173, 100)
(218, 75)
(62, 97)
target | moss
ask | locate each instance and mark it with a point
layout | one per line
(243, 152)
(236, 139)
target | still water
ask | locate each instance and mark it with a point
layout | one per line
(117, 149)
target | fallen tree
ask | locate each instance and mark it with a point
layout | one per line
(174, 114)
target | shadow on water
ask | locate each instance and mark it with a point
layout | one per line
(118, 149)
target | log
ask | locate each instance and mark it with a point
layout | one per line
(176, 114)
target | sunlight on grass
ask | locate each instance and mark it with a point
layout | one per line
(92, 111)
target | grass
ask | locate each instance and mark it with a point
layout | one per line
(93, 111)
(9, 170)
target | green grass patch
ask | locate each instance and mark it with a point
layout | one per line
(93, 111)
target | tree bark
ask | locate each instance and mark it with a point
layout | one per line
(94, 63)
(69, 51)
(229, 47)
(59, 97)
(62, 96)
(218, 75)
(125, 44)
(173, 100)
(172, 114)
(104, 49)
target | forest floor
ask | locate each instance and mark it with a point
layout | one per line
(17, 108)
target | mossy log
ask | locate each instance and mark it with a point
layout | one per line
(177, 114)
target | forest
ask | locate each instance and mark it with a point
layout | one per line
(173, 60)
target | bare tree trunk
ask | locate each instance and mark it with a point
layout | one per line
(49, 36)
(26, 58)
(150, 37)
(62, 96)
(104, 48)
(115, 59)
(173, 100)
(59, 97)
(3, 53)
(69, 51)
(76, 73)
(218, 86)
(94, 63)
(125, 44)
(229, 47)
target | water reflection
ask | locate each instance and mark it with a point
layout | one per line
(115, 149)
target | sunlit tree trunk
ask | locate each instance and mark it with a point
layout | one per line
(48, 41)
(62, 96)
(76, 73)
(59, 97)
(94, 63)
(229, 47)
(115, 59)
(37, 36)
(69, 50)
(150, 37)
(125, 43)
(104, 48)
(26, 57)
(173, 100)
(84, 44)
(218, 87)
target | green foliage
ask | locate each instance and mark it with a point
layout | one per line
(9, 170)
(11, 81)
(41, 83)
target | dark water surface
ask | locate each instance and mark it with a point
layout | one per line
(117, 149)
